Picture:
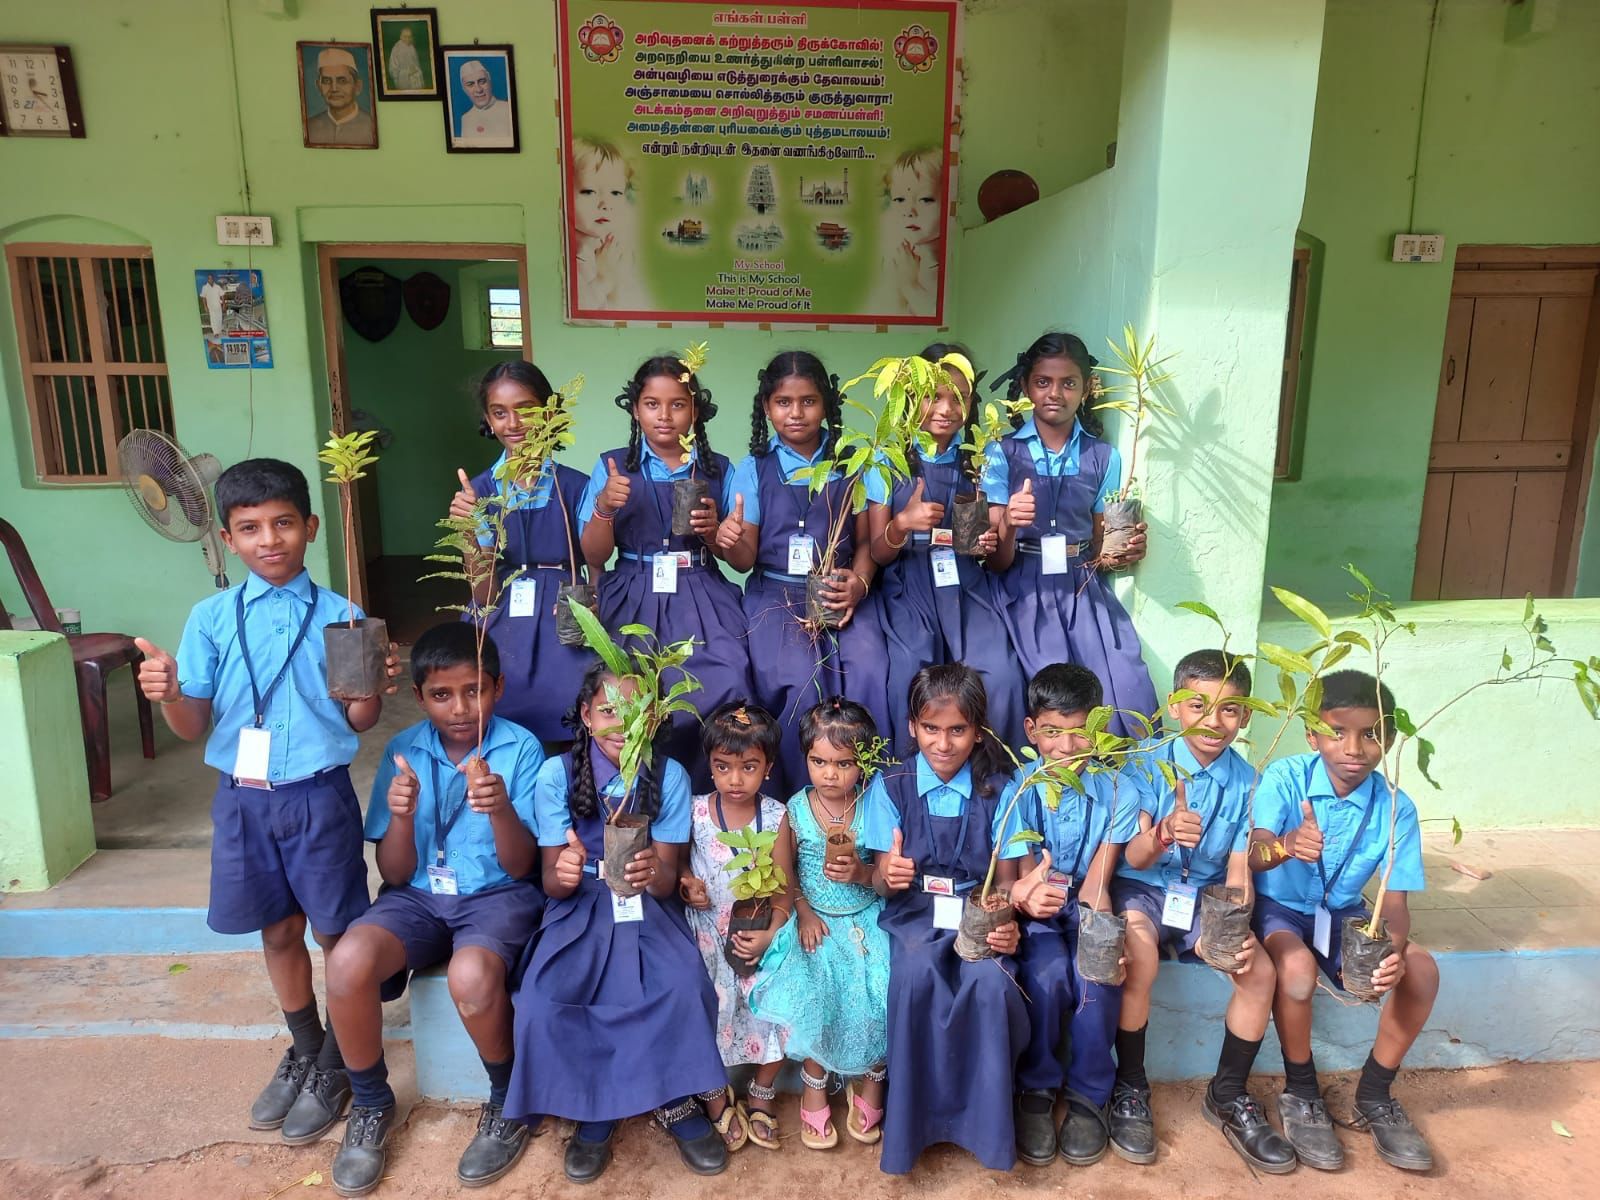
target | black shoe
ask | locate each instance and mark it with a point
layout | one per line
(1133, 1128)
(704, 1153)
(586, 1161)
(1399, 1142)
(277, 1098)
(1036, 1127)
(320, 1103)
(359, 1161)
(1084, 1134)
(1244, 1123)
(494, 1150)
(1310, 1131)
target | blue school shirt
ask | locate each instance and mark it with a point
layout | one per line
(1220, 793)
(1299, 885)
(309, 730)
(879, 818)
(745, 479)
(516, 496)
(553, 816)
(651, 465)
(512, 753)
(997, 471)
(1107, 812)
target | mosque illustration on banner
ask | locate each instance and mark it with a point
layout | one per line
(826, 192)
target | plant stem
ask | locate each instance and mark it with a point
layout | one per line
(347, 505)
(566, 521)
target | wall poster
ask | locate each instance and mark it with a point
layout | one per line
(757, 161)
(233, 319)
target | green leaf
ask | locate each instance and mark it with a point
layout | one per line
(636, 630)
(1351, 638)
(1285, 659)
(739, 862)
(1360, 578)
(1256, 704)
(1560, 1129)
(1025, 837)
(1305, 610)
(1505, 660)
(177, 968)
(1201, 609)
(1424, 758)
(1403, 722)
(598, 640)
(1527, 609)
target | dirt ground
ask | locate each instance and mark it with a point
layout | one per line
(1490, 1128)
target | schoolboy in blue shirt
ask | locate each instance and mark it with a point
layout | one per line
(1192, 836)
(1322, 832)
(286, 847)
(1073, 1020)
(457, 850)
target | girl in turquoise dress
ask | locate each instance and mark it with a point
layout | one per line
(825, 978)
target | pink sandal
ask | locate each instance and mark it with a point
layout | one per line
(816, 1126)
(862, 1121)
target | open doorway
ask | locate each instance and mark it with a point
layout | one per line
(409, 329)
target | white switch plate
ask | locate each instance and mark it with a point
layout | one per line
(1418, 247)
(244, 231)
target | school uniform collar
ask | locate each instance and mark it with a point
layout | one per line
(665, 469)
(928, 780)
(1221, 770)
(791, 460)
(425, 739)
(515, 491)
(949, 454)
(1320, 785)
(1067, 455)
(605, 771)
(299, 587)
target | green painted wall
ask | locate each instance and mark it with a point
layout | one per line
(1509, 153)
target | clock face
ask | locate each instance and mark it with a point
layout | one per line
(31, 91)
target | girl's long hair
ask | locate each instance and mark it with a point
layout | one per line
(1055, 345)
(963, 687)
(583, 797)
(667, 366)
(519, 371)
(790, 364)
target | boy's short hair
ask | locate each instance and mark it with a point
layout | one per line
(1211, 666)
(1355, 689)
(1064, 688)
(259, 481)
(452, 644)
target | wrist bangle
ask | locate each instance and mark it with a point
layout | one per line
(603, 516)
(866, 587)
(900, 545)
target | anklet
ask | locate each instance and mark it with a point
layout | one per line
(759, 1091)
(816, 1083)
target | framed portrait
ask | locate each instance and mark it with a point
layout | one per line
(336, 106)
(39, 93)
(406, 42)
(480, 108)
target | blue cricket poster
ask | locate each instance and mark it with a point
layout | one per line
(233, 319)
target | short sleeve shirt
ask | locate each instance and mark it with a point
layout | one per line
(1079, 824)
(553, 814)
(1053, 463)
(1220, 794)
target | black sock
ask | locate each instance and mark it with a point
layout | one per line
(1373, 1087)
(370, 1088)
(329, 1058)
(306, 1030)
(1233, 1067)
(1301, 1078)
(1130, 1057)
(499, 1079)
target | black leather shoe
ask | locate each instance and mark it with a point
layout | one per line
(358, 1164)
(1084, 1135)
(1036, 1127)
(277, 1098)
(320, 1103)
(494, 1150)
(1133, 1127)
(586, 1161)
(706, 1154)
(1399, 1142)
(1244, 1123)
(1310, 1131)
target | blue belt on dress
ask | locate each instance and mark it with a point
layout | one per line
(1032, 546)
(688, 560)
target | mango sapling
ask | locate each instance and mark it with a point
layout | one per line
(1137, 399)
(355, 650)
(969, 519)
(691, 493)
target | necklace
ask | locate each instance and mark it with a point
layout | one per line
(833, 817)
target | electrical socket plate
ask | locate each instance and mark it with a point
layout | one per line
(244, 231)
(1418, 247)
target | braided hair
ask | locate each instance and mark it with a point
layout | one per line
(583, 797)
(960, 685)
(795, 364)
(518, 371)
(663, 366)
(1054, 345)
(933, 353)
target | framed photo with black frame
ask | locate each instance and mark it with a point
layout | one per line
(405, 42)
(480, 100)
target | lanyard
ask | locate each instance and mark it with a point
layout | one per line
(723, 821)
(449, 822)
(1053, 482)
(961, 833)
(261, 698)
(1355, 843)
(654, 486)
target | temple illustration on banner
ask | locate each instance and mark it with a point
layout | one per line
(826, 192)
(762, 192)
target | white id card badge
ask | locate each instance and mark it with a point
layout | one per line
(255, 752)
(945, 572)
(626, 908)
(802, 553)
(1053, 553)
(442, 881)
(1322, 930)
(1178, 911)
(523, 594)
(664, 573)
(947, 912)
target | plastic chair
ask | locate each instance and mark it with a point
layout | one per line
(94, 656)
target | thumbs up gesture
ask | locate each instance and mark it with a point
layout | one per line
(1035, 895)
(569, 863)
(920, 514)
(617, 489)
(158, 673)
(1183, 823)
(462, 502)
(898, 870)
(1305, 843)
(1022, 509)
(732, 527)
(403, 789)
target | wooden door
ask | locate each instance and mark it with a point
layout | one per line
(1513, 426)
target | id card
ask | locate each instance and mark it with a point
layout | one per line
(938, 885)
(664, 573)
(1059, 879)
(947, 912)
(945, 571)
(941, 537)
(250, 767)
(523, 594)
(626, 908)
(1053, 553)
(442, 881)
(1178, 911)
(1322, 930)
(802, 553)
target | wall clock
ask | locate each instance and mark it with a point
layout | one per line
(39, 92)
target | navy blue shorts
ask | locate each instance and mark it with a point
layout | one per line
(294, 849)
(432, 928)
(1135, 895)
(1270, 916)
